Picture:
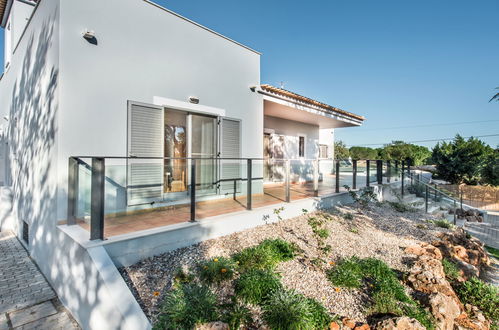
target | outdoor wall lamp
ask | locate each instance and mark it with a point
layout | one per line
(193, 99)
(89, 36)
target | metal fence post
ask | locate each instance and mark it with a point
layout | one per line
(368, 169)
(315, 163)
(379, 171)
(455, 211)
(193, 190)
(461, 200)
(249, 185)
(337, 176)
(426, 199)
(72, 190)
(288, 179)
(97, 199)
(402, 178)
(354, 174)
(388, 170)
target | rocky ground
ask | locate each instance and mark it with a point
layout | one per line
(379, 232)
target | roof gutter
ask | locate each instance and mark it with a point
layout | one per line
(6, 12)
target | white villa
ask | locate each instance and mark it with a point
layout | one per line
(125, 97)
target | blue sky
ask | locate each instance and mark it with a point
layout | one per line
(398, 63)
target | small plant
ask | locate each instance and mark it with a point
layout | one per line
(347, 273)
(348, 216)
(187, 305)
(321, 319)
(288, 310)
(494, 252)
(266, 255)
(401, 207)
(236, 314)
(322, 233)
(421, 226)
(181, 276)
(442, 224)
(282, 250)
(216, 270)
(450, 269)
(256, 285)
(418, 189)
(482, 295)
(354, 230)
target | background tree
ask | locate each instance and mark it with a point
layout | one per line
(363, 153)
(340, 150)
(462, 161)
(495, 97)
(490, 172)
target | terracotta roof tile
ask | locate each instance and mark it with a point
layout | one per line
(308, 101)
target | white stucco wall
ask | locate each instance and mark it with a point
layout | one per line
(144, 52)
(291, 130)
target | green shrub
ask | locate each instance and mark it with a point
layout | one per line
(266, 255)
(450, 269)
(180, 276)
(322, 233)
(216, 270)
(347, 273)
(482, 295)
(287, 310)
(494, 252)
(282, 249)
(387, 294)
(236, 315)
(442, 224)
(256, 285)
(321, 318)
(187, 305)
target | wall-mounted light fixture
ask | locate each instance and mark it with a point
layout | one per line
(6, 118)
(88, 34)
(194, 99)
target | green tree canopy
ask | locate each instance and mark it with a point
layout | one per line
(464, 161)
(399, 150)
(363, 153)
(340, 150)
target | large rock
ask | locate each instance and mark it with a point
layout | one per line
(427, 275)
(424, 249)
(399, 323)
(445, 309)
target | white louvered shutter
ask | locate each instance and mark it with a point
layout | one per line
(145, 139)
(230, 148)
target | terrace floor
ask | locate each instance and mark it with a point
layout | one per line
(175, 214)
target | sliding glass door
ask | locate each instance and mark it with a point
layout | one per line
(203, 146)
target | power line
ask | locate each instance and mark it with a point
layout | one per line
(431, 140)
(432, 125)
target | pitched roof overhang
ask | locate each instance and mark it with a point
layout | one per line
(4, 11)
(285, 104)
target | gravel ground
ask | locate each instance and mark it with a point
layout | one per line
(379, 232)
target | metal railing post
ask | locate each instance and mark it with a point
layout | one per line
(287, 182)
(426, 199)
(337, 176)
(388, 170)
(455, 211)
(402, 178)
(235, 189)
(193, 190)
(97, 199)
(315, 163)
(368, 170)
(461, 200)
(249, 185)
(72, 190)
(354, 174)
(379, 171)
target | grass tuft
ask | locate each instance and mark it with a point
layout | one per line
(266, 255)
(442, 224)
(256, 285)
(450, 269)
(482, 295)
(187, 305)
(387, 294)
(493, 251)
(236, 315)
(288, 310)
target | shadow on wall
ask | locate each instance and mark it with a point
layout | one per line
(32, 136)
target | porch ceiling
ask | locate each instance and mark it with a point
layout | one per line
(291, 111)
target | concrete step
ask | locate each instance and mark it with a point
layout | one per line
(489, 235)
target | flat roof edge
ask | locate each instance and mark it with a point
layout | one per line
(201, 26)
